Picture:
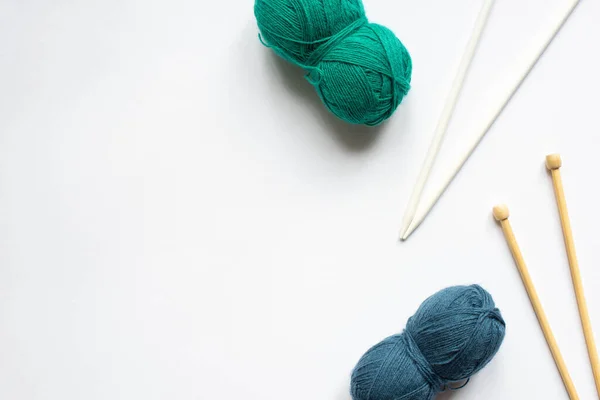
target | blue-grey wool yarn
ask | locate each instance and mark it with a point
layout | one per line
(453, 335)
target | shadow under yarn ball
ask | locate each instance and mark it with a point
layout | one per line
(360, 70)
(453, 335)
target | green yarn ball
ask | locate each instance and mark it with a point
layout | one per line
(360, 70)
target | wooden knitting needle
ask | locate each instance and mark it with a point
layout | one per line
(501, 214)
(553, 163)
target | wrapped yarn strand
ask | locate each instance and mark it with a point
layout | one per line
(452, 336)
(360, 70)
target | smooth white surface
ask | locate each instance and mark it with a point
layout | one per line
(442, 125)
(181, 219)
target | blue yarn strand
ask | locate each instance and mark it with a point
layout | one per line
(452, 336)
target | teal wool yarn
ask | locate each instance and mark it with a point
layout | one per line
(360, 70)
(454, 334)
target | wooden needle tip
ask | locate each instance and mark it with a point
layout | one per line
(553, 161)
(501, 212)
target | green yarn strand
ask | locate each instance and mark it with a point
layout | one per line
(360, 70)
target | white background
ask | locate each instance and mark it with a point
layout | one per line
(180, 217)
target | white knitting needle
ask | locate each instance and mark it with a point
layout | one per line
(444, 120)
(418, 219)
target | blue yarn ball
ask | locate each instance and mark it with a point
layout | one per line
(360, 70)
(453, 335)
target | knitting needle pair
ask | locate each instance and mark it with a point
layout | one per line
(501, 214)
(415, 211)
